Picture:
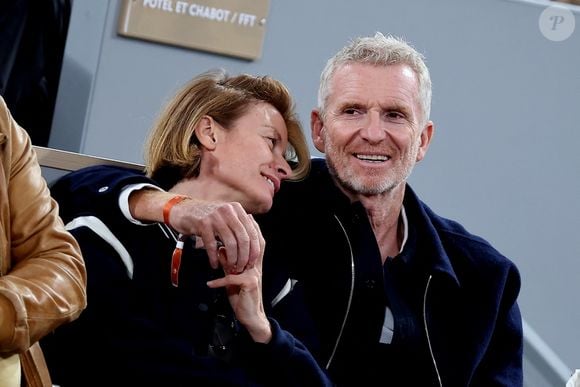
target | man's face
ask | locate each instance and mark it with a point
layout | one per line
(373, 131)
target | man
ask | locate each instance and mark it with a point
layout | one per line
(42, 273)
(400, 294)
(397, 295)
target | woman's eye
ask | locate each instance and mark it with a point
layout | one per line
(272, 141)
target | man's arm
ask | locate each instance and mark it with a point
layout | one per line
(502, 364)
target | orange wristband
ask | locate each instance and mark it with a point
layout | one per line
(169, 205)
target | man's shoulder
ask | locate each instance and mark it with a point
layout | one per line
(298, 198)
(452, 236)
(460, 243)
(318, 164)
(441, 225)
(291, 188)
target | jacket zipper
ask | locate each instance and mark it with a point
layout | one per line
(427, 330)
(331, 358)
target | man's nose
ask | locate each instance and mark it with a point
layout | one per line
(373, 129)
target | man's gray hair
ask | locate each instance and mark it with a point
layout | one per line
(378, 50)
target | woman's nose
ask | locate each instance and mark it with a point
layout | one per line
(283, 168)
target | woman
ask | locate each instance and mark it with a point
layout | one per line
(158, 313)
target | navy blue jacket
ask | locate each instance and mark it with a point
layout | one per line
(140, 330)
(454, 297)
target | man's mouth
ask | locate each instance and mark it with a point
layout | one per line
(372, 158)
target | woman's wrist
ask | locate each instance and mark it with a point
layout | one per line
(147, 205)
(261, 332)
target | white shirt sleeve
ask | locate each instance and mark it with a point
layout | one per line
(124, 200)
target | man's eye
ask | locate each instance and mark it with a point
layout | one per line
(394, 115)
(351, 111)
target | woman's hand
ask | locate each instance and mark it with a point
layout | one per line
(245, 296)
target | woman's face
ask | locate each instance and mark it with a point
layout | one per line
(248, 164)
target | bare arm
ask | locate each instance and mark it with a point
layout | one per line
(211, 222)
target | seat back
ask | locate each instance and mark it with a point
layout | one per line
(55, 162)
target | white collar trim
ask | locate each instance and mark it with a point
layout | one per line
(405, 228)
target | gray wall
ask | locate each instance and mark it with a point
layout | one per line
(504, 158)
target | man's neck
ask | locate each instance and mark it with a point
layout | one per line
(384, 213)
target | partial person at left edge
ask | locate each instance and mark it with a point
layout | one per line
(42, 272)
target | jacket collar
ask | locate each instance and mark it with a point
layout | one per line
(422, 219)
(419, 217)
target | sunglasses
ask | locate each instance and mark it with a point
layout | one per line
(225, 331)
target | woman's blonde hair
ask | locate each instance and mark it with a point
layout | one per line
(172, 150)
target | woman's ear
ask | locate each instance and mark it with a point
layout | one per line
(205, 132)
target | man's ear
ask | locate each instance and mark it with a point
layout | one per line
(316, 127)
(425, 140)
(205, 132)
